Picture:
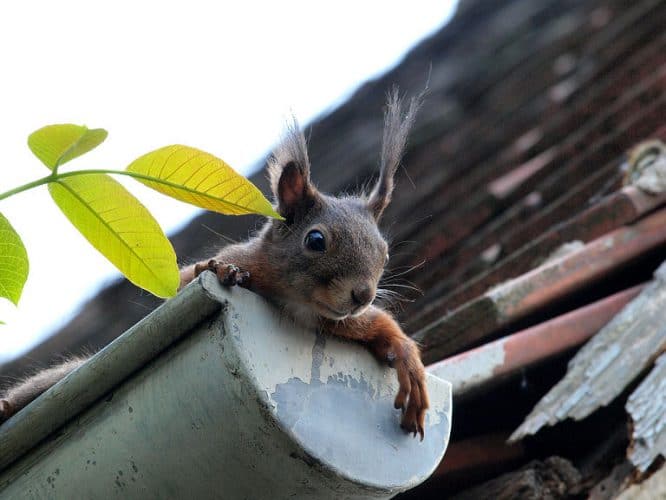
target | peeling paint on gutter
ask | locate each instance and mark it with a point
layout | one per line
(216, 395)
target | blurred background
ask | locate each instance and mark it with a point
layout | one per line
(527, 227)
(220, 76)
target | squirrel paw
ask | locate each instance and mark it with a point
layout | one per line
(402, 353)
(228, 274)
(412, 396)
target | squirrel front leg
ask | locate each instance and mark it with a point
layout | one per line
(386, 340)
(230, 266)
(242, 264)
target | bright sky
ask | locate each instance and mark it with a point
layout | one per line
(220, 76)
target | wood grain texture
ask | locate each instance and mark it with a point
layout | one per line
(647, 408)
(607, 364)
(537, 289)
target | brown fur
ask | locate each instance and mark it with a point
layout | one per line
(22, 393)
(323, 288)
(332, 289)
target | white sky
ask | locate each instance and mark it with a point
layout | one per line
(220, 76)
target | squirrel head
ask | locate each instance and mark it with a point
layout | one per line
(329, 250)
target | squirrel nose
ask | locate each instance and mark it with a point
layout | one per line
(362, 296)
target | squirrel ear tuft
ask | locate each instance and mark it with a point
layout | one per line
(289, 172)
(397, 125)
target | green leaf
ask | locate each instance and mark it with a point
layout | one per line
(57, 144)
(121, 228)
(13, 262)
(201, 179)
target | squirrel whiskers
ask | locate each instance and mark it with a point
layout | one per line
(323, 263)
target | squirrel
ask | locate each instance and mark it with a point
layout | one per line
(321, 265)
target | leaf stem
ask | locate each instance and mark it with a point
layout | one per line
(54, 177)
(29, 185)
(115, 172)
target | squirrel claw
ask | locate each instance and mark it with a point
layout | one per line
(413, 429)
(228, 274)
(231, 275)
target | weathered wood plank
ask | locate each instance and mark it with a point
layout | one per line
(479, 368)
(647, 408)
(617, 209)
(553, 478)
(543, 286)
(604, 367)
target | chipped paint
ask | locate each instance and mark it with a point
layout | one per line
(518, 297)
(608, 363)
(354, 430)
(246, 394)
(334, 384)
(471, 369)
(564, 249)
(487, 364)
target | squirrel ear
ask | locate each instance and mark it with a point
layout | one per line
(396, 128)
(294, 192)
(289, 172)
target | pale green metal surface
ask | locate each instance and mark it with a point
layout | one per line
(246, 405)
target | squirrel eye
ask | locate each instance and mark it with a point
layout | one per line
(315, 241)
(386, 258)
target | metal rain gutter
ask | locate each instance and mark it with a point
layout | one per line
(216, 395)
